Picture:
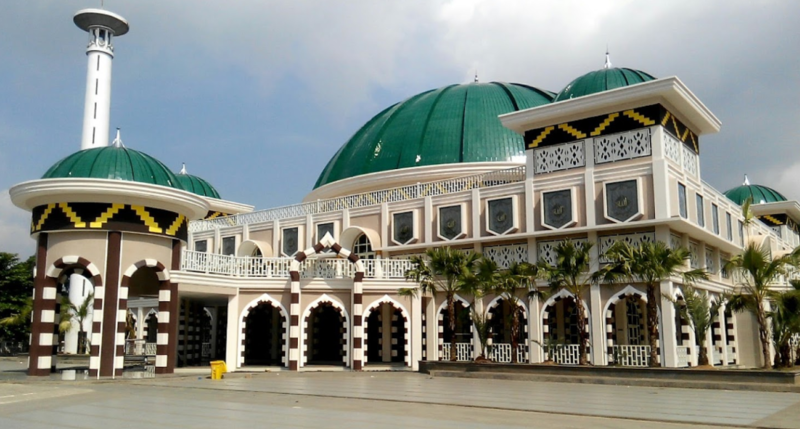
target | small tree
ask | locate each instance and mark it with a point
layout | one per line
(520, 277)
(446, 270)
(482, 326)
(649, 263)
(697, 308)
(757, 270)
(571, 273)
(71, 313)
(785, 318)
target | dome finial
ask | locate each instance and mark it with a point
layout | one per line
(183, 168)
(607, 65)
(746, 181)
(117, 140)
(476, 75)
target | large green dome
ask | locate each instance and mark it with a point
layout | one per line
(115, 163)
(453, 124)
(759, 194)
(196, 185)
(602, 80)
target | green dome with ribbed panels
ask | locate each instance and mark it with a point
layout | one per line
(197, 185)
(452, 124)
(759, 194)
(602, 80)
(114, 163)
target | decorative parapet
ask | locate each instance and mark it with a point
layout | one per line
(260, 267)
(366, 199)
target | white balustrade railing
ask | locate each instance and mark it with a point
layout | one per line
(140, 347)
(684, 356)
(402, 193)
(731, 354)
(626, 355)
(716, 356)
(463, 352)
(331, 268)
(567, 354)
(501, 353)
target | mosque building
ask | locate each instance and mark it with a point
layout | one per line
(509, 170)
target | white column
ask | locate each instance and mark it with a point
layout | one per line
(97, 105)
(588, 179)
(232, 342)
(536, 354)
(427, 220)
(598, 342)
(667, 330)
(661, 194)
(416, 332)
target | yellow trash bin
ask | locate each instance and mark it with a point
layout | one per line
(218, 368)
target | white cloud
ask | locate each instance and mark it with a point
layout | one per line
(14, 227)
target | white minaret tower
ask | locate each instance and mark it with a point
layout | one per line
(102, 26)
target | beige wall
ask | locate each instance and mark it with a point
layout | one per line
(90, 245)
(137, 247)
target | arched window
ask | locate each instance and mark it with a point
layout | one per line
(363, 248)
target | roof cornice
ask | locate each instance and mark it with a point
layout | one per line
(33, 193)
(669, 92)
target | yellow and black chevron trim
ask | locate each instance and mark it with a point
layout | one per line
(773, 220)
(214, 215)
(108, 216)
(612, 123)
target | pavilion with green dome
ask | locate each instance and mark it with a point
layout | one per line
(181, 277)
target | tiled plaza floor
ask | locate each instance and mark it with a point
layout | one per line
(369, 400)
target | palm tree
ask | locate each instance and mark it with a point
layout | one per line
(71, 313)
(519, 277)
(446, 270)
(649, 263)
(698, 308)
(785, 318)
(571, 273)
(756, 270)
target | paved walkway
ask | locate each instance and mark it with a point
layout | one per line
(369, 400)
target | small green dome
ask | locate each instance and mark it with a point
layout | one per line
(196, 185)
(759, 194)
(602, 80)
(452, 124)
(114, 163)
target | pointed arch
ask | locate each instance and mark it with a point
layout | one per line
(263, 299)
(386, 299)
(337, 304)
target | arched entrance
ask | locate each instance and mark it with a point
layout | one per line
(560, 328)
(503, 334)
(386, 333)
(465, 349)
(627, 341)
(151, 328)
(75, 311)
(326, 334)
(264, 337)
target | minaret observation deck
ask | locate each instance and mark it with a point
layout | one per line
(102, 27)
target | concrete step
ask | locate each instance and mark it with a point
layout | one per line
(619, 381)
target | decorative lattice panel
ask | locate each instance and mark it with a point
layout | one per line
(622, 146)
(506, 255)
(559, 157)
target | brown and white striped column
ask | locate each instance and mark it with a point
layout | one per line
(294, 316)
(44, 304)
(108, 349)
(168, 306)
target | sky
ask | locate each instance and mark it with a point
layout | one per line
(255, 96)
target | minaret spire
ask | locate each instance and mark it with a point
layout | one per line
(117, 140)
(102, 27)
(607, 65)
